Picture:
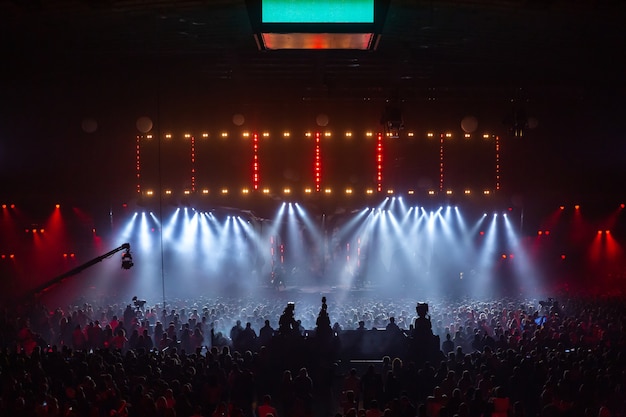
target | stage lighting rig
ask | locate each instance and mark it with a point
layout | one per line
(127, 259)
(392, 119)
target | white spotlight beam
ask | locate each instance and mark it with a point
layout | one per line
(258, 242)
(144, 233)
(207, 237)
(488, 250)
(406, 240)
(527, 275)
(354, 222)
(276, 223)
(403, 210)
(308, 222)
(407, 216)
(127, 232)
(155, 220)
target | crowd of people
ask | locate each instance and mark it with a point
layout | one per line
(262, 356)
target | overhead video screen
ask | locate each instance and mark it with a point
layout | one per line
(317, 11)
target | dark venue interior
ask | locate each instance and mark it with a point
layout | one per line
(399, 170)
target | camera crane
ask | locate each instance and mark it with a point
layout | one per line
(127, 263)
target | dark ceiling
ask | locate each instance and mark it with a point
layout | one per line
(564, 60)
(457, 47)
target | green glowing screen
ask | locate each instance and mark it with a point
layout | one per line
(317, 11)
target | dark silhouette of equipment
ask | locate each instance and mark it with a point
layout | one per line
(127, 263)
(392, 121)
(287, 324)
(517, 119)
(139, 304)
(127, 259)
(422, 310)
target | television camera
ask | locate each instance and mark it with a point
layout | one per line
(139, 304)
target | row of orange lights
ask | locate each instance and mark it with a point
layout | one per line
(12, 256)
(4, 206)
(577, 206)
(348, 134)
(547, 232)
(309, 190)
(512, 256)
(42, 231)
(72, 255)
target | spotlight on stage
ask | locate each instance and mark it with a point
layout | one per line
(127, 259)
